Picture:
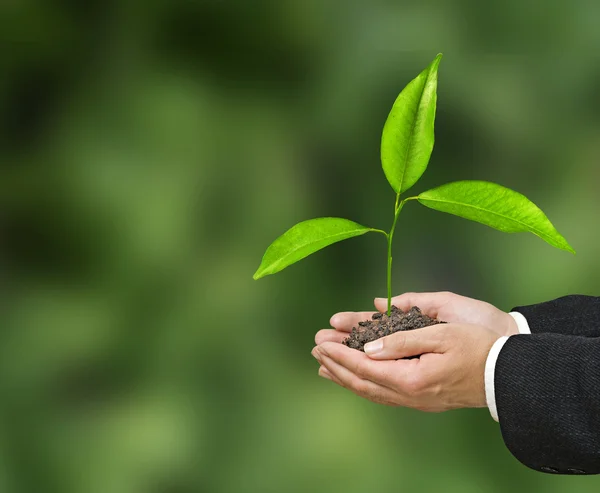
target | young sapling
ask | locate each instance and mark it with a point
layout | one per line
(406, 146)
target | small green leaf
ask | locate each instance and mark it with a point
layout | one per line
(407, 139)
(305, 238)
(495, 206)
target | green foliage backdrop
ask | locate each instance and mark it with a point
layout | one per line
(150, 151)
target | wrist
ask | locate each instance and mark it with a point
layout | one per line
(521, 321)
(511, 326)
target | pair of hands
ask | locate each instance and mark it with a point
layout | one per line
(448, 375)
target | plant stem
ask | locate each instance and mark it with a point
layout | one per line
(398, 208)
(390, 236)
(379, 231)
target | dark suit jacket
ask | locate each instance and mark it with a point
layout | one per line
(548, 387)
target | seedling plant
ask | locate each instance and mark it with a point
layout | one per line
(406, 146)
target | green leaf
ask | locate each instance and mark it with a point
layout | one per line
(305, 238)
(495, 206)
(407, 139)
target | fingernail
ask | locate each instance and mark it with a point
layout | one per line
(316, 354)
(324, 373)
(374, 347)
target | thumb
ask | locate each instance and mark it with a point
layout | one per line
(409, 343)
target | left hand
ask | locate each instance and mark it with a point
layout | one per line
(448, 375)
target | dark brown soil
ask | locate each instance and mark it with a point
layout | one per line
(381, 325)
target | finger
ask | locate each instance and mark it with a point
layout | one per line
(330, 335)
(344, 321)
(324, 372)
(429, 303)
(361, 387)
(409, 343)
(385, 373)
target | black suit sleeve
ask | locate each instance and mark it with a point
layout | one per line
(572, 315)
(548, 398)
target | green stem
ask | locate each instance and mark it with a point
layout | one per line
(398, 208)
(379, 231)
(390, 236)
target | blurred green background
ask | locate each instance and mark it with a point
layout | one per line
(150, 152)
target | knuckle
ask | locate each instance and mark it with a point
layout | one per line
(435, 390)
(360, 386)
(415, 383)
(402, 296)
(396, 341)
(326, 348)
(380, 397)
(444, 335)
(359, 369)
(362, 369)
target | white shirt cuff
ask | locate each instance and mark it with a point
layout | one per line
(490, 364)
(522, 324)
(490, 367)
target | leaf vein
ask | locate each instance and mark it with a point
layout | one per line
(291, 252)
(527, 226)
(411, 136)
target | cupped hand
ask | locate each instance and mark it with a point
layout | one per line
(448, 375)
(446, 306)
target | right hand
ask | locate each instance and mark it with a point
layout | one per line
(446, 306)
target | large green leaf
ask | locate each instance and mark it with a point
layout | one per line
(407, 139)
(495, 206)
(305, 238)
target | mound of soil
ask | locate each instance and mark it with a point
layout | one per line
(381, 325)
